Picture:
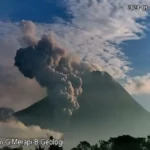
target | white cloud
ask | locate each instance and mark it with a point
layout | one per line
(108, 18)
(17, 129)
(138, 85)
(96, 25)
(90, 47)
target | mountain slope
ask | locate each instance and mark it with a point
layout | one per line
(106, 103)
(106, 109)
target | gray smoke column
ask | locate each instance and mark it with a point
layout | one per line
(28, 29)
(53, 67)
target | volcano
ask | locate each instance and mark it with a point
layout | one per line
(106, 109)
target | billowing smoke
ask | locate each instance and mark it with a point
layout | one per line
(53, 67)
(28, 29)
(5, 113)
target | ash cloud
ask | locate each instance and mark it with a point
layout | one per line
(28, 29)
(53, 67)
(5, 113)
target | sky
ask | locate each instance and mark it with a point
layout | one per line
(104, 32)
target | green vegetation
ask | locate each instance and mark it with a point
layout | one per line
(124, 142)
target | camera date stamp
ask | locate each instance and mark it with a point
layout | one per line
(139, 7)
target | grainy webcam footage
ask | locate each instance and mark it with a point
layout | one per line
(74, 75)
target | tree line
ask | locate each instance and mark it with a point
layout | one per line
(124, 142)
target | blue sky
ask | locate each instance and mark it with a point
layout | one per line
(138, 52)
(88, 27)
(42, 11)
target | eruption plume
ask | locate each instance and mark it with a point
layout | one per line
(28, 29)
(53, 67)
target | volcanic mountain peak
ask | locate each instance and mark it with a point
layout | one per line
(103, 100)
(106, 110)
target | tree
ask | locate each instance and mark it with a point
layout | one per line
(54, 147)
(124, 142)
(84, 145)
